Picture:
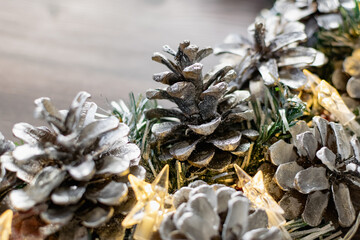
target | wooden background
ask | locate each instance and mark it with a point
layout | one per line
(56, 48)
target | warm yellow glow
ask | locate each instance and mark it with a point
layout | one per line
(147, 226)
(254, 189)
(329, 98)
(153, 206)
(313, 81)
(143, 190)
(150, 207)
(5, 224)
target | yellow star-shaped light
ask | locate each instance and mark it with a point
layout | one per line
(5, 224)
(150, 206)
(254, 189)
(329, 98)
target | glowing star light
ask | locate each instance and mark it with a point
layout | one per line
(150, 206)
(254, 189)
(5, 224)
(329, 98)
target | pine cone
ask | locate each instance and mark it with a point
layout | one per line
(215, 212)
(326, 164)
(315, 13)
(272, 53)
(77, 169)
(210, 130)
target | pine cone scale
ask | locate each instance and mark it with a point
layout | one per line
(74, 115)
(89, 133)
(44, 183)
(84, 171)
(114, 165)
(343, 204)
(57, 216)
(182, 150)
(29, 134)
(315, 207)
(113, 193)
(67, 195)
(206, 128)
(201, 157)
(220, 162)
(97, 217)
(227, 142)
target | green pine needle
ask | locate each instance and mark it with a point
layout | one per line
(340, 43)
(279, 111)
(132, 114)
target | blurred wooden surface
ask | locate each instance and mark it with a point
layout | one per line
(56, 48)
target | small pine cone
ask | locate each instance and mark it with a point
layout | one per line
(273, 54)
(205, 212)
(211, 130)
(315, 13)
(77, 168)
(320, 163)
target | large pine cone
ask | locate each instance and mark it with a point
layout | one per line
(321, 163)
(211, 130)
(77, 168)
(206, 212)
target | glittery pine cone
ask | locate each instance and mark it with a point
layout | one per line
(211, 129)
(76, 170)
(317, 170)
(272, 53)
(315, 14)
(205, 212)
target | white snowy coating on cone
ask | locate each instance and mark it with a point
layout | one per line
(201, 208)
(327, 163)
(80, 162)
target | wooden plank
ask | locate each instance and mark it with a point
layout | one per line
(57, 48)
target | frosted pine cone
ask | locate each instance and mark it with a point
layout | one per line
(320, 164)
(315, 13)
(77, 169)
(211, 129)
(272, 53)
(205, 212)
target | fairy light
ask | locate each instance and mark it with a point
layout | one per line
(5, 224)
(150, 207)
(329, 98)
(254, 189)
